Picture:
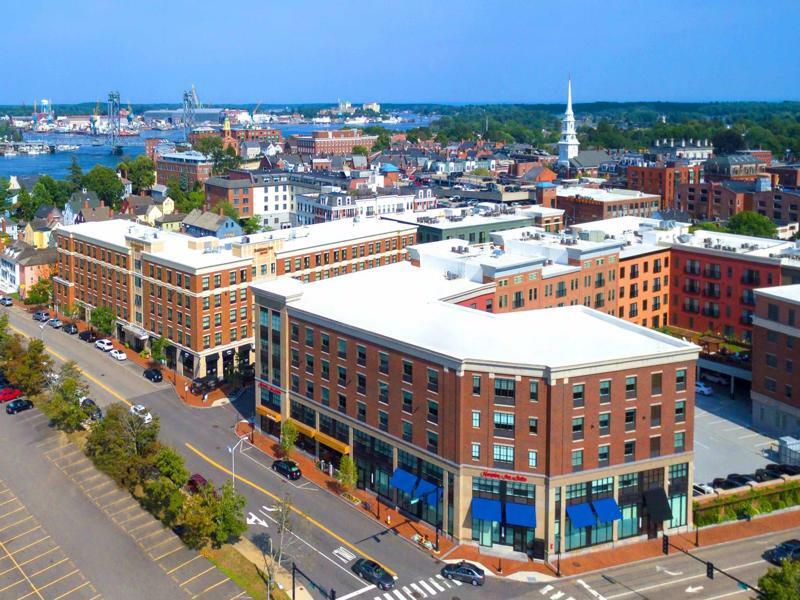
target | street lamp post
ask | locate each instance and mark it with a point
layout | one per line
(232, 450)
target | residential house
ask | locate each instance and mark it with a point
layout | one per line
(200, 224)
(22, 265)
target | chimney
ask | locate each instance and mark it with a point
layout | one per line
(219, 210)
(86, 204)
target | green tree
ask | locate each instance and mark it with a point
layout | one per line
(11, 352)
(751, 223)
(227, 209)
(29, 371)
(25, 207)
(481, 172)
(40, 292)
(727, 141)
(362, 150)
(75, 177)
(197, 517)
(141, 173)
(347, 474)
(289, 435)
(58, 191)
(781, 583)
(103, 319)
(251, 225)
(64, 408)
(5, 194)
(208, 144)
(71, 370)
(158, 348)
(171, 465)
(229, 521)
(40, 195)
(164, 499)
(105, 183)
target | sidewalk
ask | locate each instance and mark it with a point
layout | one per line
(283, 578)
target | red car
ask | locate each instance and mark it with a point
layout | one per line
(9, 393)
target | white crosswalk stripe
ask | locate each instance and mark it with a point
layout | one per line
(546, 590)
(408, 591)
(557, 596)
(399, 595)
(433, 581)
(419, 590)
(428, 588)
(444, 581)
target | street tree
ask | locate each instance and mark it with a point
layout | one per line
(40, 292)
(29, 371)
(141, 173)
(251, 225)
(347, 474)
(103, 319)
(289, 436)
(106, 184)
(64, 407)
(171, 465)
(164, 499)
(158, 348)
(781, 583)
(71, 370)
(229, 521)
(286, 529)
(197, 518)
(227, 209)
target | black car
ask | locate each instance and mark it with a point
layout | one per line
(767, 474)
(95, 412)
(287, 468)
(153, 375)
(18, 405)
(70, 328)
(784, 469)
(789, 550)
(87, 336)
(724, 484)
(464, 571)
(742, 480)
(374, 573)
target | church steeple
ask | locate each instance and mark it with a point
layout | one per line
(568, 144)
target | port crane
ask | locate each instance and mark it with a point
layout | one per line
(113, 123)
(190, 104)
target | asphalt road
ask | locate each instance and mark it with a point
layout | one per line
(330, 534)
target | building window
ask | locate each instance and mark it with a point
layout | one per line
(433, 442)
(383, 420)
(605, 391)
(325, 342)
(533, 425)
(476, 419)
(476, 385)
(383, 363)
(629, 451)
(680, 411)
(476, 451)
(342, 403)
(603, 455)
(341, 348)
(309, 336)
(655, 415)
(655, 446)
(309, 363)
(433, 380)
(680, 441)
(361, 355)
(408, 400)
(341, 378)
(504, 424)
(534, 390)
(655, 384)
(407, 431)
(577, 395)
(408, 371)
(361, 383)
(504, 391)
(383, 392)
(630, 419)
(362, 411)
(532, 459)
(295, 332)
(630, 387)
(604, 423)
(503, 453)
(433, 411)
(577, 460)
(577, 429)
(680, 380)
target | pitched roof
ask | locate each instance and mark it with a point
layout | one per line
(205, 220)
(25, 254)
(98, 213)
(81, 197)
(588, 159)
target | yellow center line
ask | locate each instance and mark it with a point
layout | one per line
(91, 378)
(296, 510)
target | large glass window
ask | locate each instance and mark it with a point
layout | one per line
(504, 390)
(578, 395)
(504, 424)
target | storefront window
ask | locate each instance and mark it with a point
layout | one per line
(629, 524)
(678, 505)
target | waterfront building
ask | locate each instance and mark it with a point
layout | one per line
(187, 168)
(332, 141)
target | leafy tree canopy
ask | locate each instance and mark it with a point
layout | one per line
(106, 184)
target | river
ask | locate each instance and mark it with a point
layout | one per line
(88, 155)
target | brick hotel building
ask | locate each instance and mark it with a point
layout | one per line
(195, 291)
(545, 431)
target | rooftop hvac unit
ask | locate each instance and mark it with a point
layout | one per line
(449, 275)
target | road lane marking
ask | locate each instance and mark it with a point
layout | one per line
(399, 595)
(557, 595)
(418, 590)
(429, 589)
(733, 593)
(296, 510)
(433, 581)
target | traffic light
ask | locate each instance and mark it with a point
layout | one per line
(710, 570)
(665, 544)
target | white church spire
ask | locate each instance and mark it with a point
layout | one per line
(568, 144)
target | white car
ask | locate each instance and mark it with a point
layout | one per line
(141, 411)
(702, 389)
(104, 345)
(118, 354)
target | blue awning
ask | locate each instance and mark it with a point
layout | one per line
(523, 515)
(607, 510)
(486, 510)
(403, 481)
(580, 515)
(428, 492)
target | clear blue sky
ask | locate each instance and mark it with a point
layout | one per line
(400, 51)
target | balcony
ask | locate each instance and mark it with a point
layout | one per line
(504, 432)
(711, 292)
(599, 282)
(712, 273)
(691, 269)
(711, 312)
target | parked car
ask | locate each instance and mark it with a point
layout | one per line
(6, 301)
(141, 411)
(87, 336)
(95, 413)
(742, 480)
(784, 469)
(153, 375)
(287, 468)
(104, 345)
(196, 483)
(464, 571)
(18, 405)
(767, 474)
(55, 323)
(722, 483)
(9, 393)
(70, 328)
(374, 573)
(702, 389)
(716, 378)
(701, 489)
(41, 315)
(788, 550)
(118, 354)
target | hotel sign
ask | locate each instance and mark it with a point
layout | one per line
(503, 476)
(271, 388)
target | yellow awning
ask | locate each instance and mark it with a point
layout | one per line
(269, 413)
(304, 429)
(332, 442)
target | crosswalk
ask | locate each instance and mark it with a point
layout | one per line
(424, 588)
(554, 594)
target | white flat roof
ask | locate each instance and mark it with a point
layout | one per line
(601, 194)
(411, 312)
(469, 220)
(789, 293)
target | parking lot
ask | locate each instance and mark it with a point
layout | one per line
(724, 441)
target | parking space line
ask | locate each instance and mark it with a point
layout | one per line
(38, 556)
(141, 539)
(19, 535)
(39, 541)
(7, 501)
(116, 489)
(211, 568)
(75, 589)
(16, 510)
(88, 479)
(35, 589)
(28, 518)
(50, 566)
(117, 501)
(44, 443)
(145, 525)
(181, 547)
(59, 579)
(13, 584)
(171, 571)
(158, 544)
(89, 468)
(139, 516)
(209, 588)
